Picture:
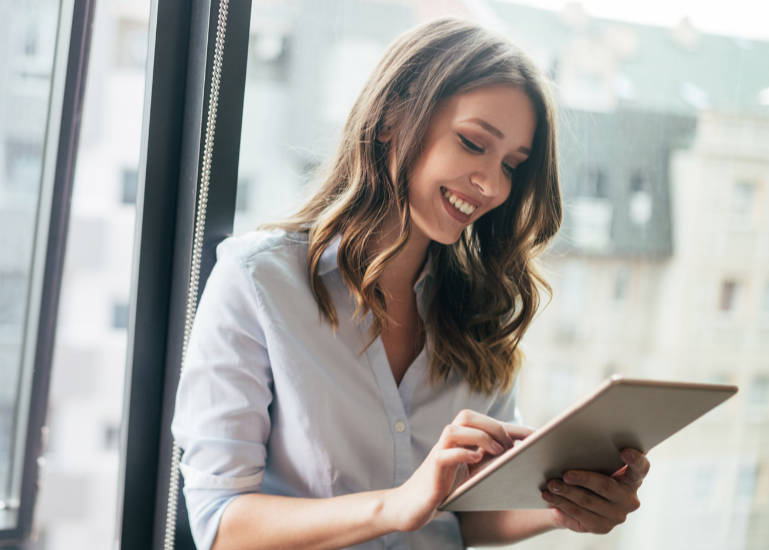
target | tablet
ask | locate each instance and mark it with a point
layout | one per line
(621, 413)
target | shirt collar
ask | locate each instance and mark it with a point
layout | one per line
(329, 262)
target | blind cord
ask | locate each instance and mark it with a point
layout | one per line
(197, 253)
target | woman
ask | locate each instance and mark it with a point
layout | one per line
(348, 366)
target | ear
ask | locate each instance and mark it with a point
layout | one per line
(385, 134)
(388, 125)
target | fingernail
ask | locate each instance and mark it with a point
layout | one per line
(497, 447)
(555, 486)
(628, 455)
(571, 477)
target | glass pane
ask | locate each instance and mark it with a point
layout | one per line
(28, 37)
(660, 269)
(78, 499)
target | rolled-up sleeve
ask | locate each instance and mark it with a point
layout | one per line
(221, 418)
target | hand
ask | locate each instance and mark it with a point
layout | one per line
(460, 448)
(589, 502)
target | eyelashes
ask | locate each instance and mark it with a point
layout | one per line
(470, 145)
(475, 148)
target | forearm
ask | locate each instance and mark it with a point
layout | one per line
(258, 521)
(503, 527)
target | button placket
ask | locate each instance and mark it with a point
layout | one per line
(394, 407)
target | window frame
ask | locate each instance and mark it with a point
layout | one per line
(67, 89)
(180, 66)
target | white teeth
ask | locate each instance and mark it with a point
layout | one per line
(459, 204)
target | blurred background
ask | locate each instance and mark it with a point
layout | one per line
(661, 268)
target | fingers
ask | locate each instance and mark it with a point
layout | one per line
(462, 436)
(578, 518)
(593, 502)
(457, 456)
(637, 467)
(586, 500)
(517, 432)
(604, 486)
(494, 428)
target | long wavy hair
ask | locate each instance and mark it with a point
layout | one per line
(485, 289)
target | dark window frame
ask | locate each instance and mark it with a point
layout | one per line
(179, 71)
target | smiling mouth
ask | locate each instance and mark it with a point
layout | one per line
(462, 206)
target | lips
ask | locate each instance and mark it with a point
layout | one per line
(452, 210)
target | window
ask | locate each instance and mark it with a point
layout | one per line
(243, 200)
(743, 196)
(765, 299)
(291, 72)
(132, 43)
(728, 297)
(641, 201)
(594, 183)
(120, 315)
(22, 165)
(13, 288)
(129, 182)
(621, 282)
(746, 483)
(758, 395)
(268, 56)
(31, 78)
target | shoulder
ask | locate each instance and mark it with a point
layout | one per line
(267, 256)
(262, 247)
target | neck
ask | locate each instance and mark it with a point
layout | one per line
(401, 272)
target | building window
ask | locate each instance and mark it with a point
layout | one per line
(743, 195)
(640, 202)
(119, 315)
(13, 297)
(129, 182)
(111, 437)
(243, 198)
(758, 394)
(595, 183)
(765, 300)
(268, 57)
(728, 299)
(132, 39)
(746, 483)
(621, 283)
(22, 167)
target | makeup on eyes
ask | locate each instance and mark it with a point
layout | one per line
(475, 147)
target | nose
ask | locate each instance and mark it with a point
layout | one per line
(488, 181)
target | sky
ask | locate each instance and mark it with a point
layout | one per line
(743, 18)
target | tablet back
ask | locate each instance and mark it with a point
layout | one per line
(620, 413)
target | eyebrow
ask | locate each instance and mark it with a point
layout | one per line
(493, 130)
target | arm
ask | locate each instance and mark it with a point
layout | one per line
(504, 526)
(265, 521)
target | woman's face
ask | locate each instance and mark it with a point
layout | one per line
(473, 145)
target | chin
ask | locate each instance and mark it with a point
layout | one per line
(446, 237)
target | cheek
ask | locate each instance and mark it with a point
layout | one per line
(504, 195)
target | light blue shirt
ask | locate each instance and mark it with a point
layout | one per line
(271, 400)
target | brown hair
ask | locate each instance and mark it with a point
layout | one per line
(486, 289)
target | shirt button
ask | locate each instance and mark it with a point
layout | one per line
(400, 427)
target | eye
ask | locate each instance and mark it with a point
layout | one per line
(470, 145)
(509, 170)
